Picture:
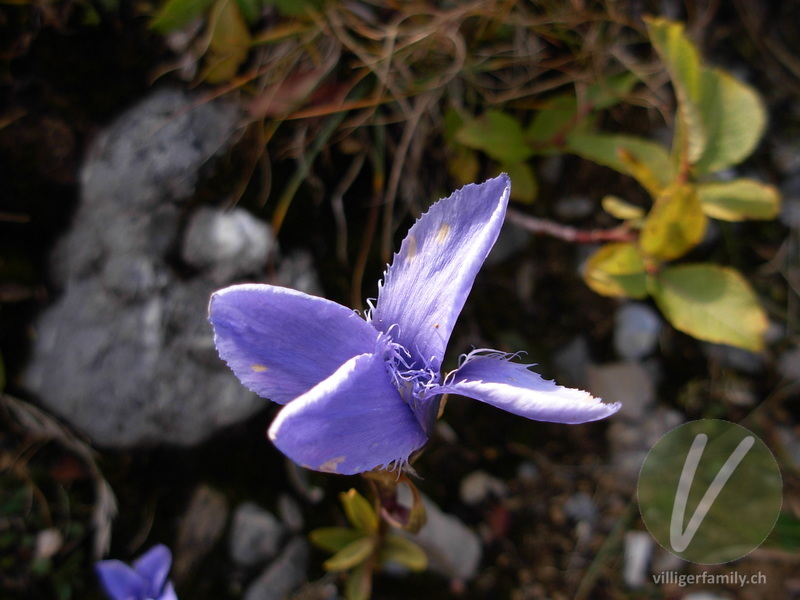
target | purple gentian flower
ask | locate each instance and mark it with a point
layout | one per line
(362, 393)
(147, 580)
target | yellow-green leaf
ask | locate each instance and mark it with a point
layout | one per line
(229, 42)
(334, 539)
(734, 117)
(683, 65)
(621, 209)
(174, 14)
(403, 552)
(646, 161)
(359, 511)
(497, 134)
(351, 555)
(616, 269)
(674, 225)
(358, 585)
(524, 187)
(712, 303)
(721, 118)
(739, 200)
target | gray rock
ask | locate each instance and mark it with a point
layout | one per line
(638, 549)
(636, 330)
(789, 364)
(479, 485)
(125, 353)
(735, 358)
(511, 241)
(227, 244)
(290, 513)
(572, 208)
(453, 549)
(282, 576)
(572, 362)
(155, 150)
(630, 441)
(790, 439)
(528, 471)
(255, 535)
(625, 382)
(580, 507)
(297, 272)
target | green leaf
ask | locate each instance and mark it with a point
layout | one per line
(498, 135)
(177, 13)
(646, 161)
(721, 118)
(334, 539)
(524, 186)
(250, 9)
(296, 8)
(609, 91)
(355, 553)
(683, 65)
(734, 117)
(404, 552)
(616, 269)
(675, 224)
(559, 115)
(712, 303)
(557, 118)
(358, 585)
(463, 165)
(229, 43)
(451, 123)
(359, 511)
(621, 209)
(739, 200)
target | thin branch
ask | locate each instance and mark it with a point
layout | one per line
(567, 233)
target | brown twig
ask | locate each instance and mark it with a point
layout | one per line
(567, 233)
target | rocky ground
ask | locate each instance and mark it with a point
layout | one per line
(121, 429)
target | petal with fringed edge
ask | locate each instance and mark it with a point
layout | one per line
(352, 422)
(280, 342)
(513, 387)
(431, 276)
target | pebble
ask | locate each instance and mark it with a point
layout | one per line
(285, 574)
(637, 327)
(638, 548)
(580, 508)
(479, 485)
(572, 361)
(573, 208)
(227, 244)
(735, 358)
(625, 382)
(255, 535)
(454, 550)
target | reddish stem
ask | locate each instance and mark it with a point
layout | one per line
(567, 233)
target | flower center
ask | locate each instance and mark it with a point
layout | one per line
(413, 381)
